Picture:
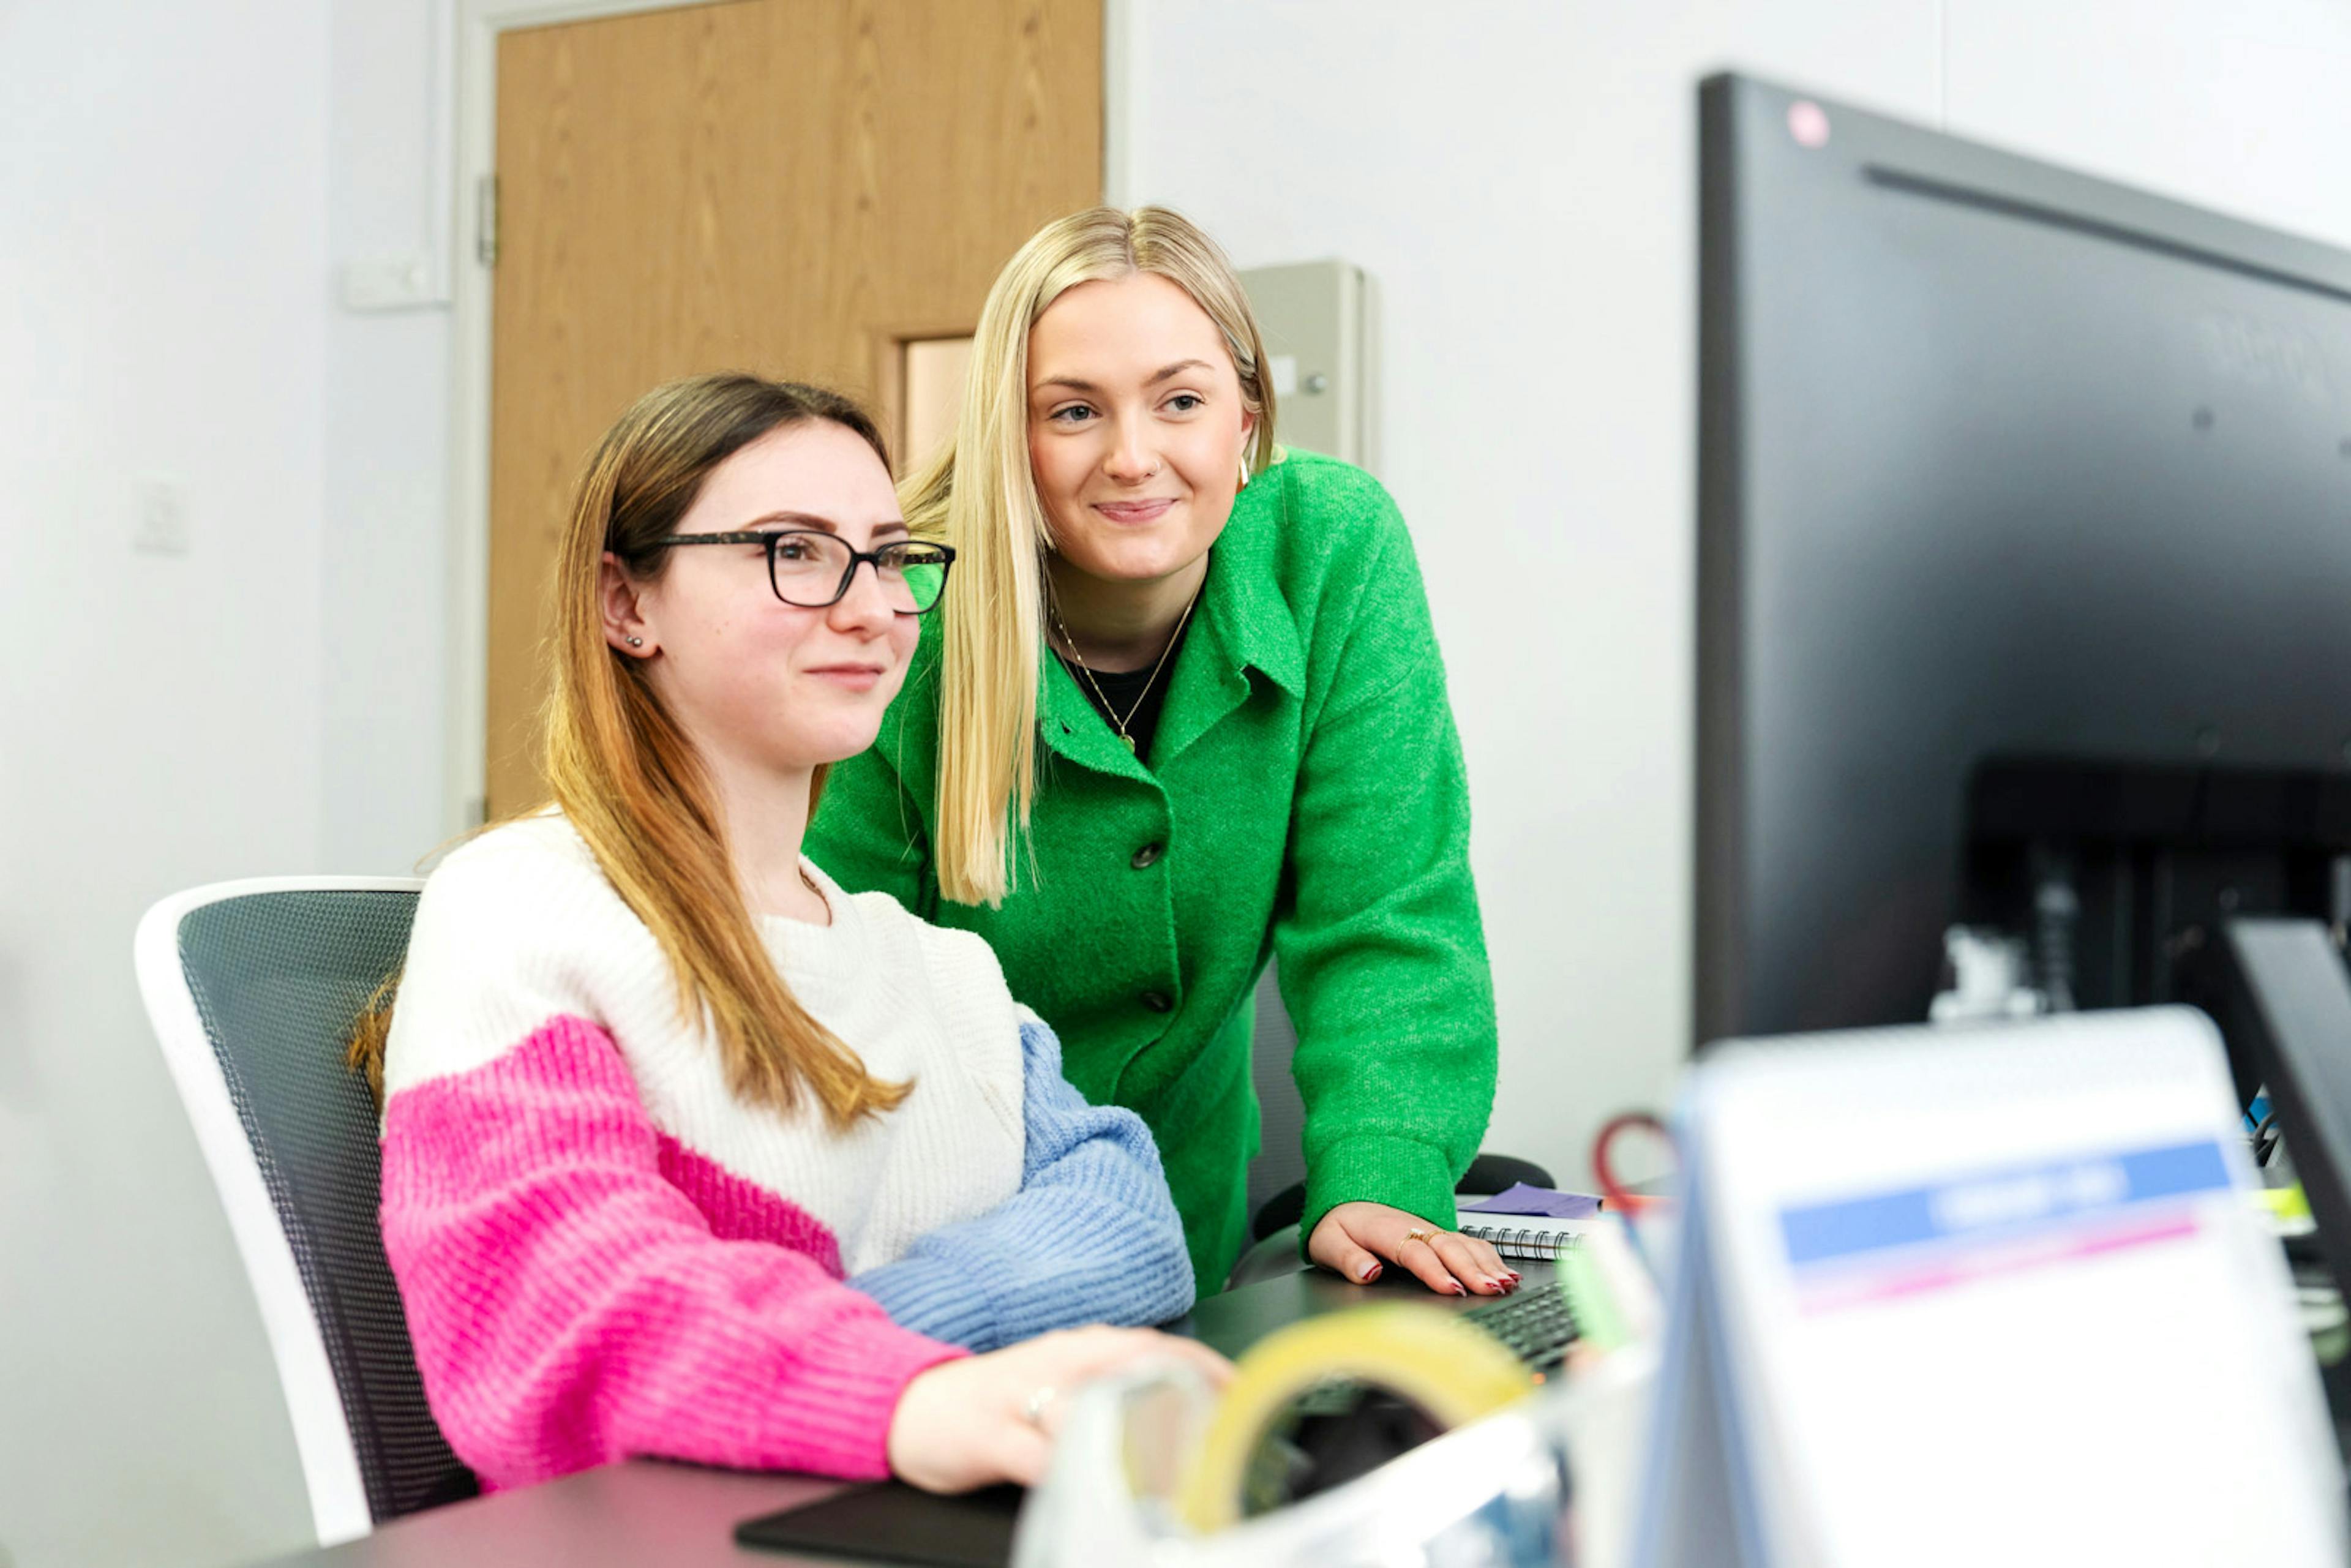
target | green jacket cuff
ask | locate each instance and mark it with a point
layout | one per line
(1399, 1172)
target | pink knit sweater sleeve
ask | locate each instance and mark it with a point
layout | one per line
(571, 1305)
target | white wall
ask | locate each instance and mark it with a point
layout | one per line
(163, 244)
(386, 461)
(2240, 107)
(1520, 177)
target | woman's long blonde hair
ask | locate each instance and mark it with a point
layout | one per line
(980, 496)
(628, 778)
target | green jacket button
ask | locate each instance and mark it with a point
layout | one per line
(1147, 856)
(1157, 1001)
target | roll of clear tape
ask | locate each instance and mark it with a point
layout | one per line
(1451, 1374)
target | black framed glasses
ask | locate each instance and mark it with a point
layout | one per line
(813, 569)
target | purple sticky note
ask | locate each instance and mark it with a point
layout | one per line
(1524, 1200)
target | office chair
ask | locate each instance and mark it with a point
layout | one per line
(1277, 1177)
(251, 988)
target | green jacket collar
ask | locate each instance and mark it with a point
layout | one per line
(1251, 624)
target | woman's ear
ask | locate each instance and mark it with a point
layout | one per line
(624, 619)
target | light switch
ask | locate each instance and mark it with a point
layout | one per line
(161, 527)
(395, 283)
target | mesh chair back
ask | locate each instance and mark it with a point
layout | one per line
(278, 978)
(1280, 1160)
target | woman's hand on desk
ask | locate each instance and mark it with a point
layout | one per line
(1355, 1238)
(986, 1418)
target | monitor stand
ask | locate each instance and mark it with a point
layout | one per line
(2285, 1009)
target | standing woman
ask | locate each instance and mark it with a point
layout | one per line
(1185, 710)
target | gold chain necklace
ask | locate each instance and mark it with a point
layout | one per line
(1150, 680)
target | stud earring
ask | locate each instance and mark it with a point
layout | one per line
(636, 641)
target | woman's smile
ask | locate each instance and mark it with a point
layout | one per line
(856, 677)
(1135, 514)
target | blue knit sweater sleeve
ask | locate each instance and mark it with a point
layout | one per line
(1092, 1237)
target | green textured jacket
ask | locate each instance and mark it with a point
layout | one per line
(1305, 797)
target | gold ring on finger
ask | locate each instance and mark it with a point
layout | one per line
(1429, 1235)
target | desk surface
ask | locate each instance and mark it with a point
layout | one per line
(684, 1516)
(1237, 1320)
(641, 1512)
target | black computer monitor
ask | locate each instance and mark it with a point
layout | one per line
(2024, 594)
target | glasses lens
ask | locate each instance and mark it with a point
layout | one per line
(914, 576)
(808, 568)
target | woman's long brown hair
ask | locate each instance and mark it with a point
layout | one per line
(629, 781)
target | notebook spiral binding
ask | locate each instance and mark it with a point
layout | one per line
(1524, 1242)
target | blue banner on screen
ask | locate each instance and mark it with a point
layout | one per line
(1918, 1239)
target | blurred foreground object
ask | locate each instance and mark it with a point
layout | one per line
(1993, 1294)
(1152, 1470)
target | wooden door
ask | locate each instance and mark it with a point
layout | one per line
(795, 187)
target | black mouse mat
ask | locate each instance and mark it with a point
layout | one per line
(892, 1521)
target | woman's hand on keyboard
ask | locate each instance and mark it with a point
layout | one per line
(1355, 1238)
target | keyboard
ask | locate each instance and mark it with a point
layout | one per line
(1534, 1323)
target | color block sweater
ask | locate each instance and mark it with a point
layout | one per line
(603, 1252)
(1304, 795)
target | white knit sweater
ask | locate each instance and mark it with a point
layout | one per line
(520, 926)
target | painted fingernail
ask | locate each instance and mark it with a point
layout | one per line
(1457, 1288)
(1371, 1273)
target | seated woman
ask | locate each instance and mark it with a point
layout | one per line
(686, 1151)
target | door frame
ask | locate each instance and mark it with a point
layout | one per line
(474, 148)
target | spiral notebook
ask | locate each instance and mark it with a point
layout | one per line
(1537, 1236)
(1530, 1221)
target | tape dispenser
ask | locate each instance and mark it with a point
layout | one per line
(1384, 1436)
